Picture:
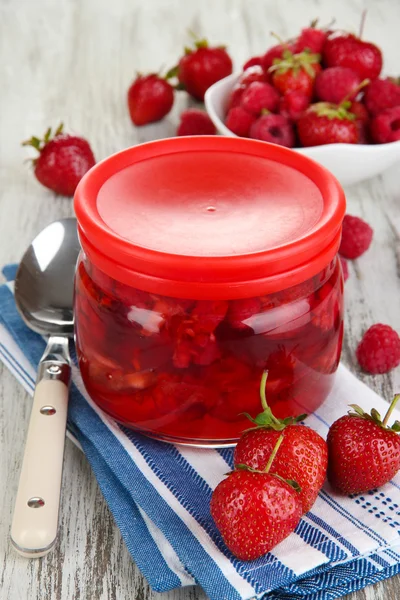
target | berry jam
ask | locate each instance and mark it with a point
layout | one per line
(186, 370)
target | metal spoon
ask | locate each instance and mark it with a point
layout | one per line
(44, 295)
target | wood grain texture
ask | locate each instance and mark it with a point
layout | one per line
(73, 60)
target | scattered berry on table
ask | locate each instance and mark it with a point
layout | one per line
(363, 452)
(276, 129)
(62, 162)
(385, 127)
(195, 122)
(356, 237)
(150, 98)
(379, 349)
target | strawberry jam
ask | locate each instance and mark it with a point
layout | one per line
(206, 261)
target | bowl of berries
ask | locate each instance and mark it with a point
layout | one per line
(321, 94)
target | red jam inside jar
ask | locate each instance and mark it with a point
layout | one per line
(206, 261)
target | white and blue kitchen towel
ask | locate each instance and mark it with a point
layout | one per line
(159, 495)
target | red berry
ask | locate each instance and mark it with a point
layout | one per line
(337, 83)
(236, 96)
(273, 128)
(195, 122)
(295, 72)
(150, 98)
(254, 511)
(259, 96)
(293, 104)
(346, 50)
(345, 268)
(311, 39)
(363, 453)
(252, 62)
(252, 74)
(275, 52)
(356, 237)
(325, 123)
(379, 349)
(239, 121)
(382, 94)
(198, 69)
(62, 162)
(302, 456)
(385, 127)
(358, 109)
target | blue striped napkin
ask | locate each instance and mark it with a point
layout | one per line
(159, 495)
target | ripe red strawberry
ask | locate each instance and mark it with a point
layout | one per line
(195, 122)
(382, 94)
(364, 453)
(295, 72)
(239, 121)
(379, 349)
(258, 97)
(62, 162)
(311, 39)
(385, 127)
(325, 123)
(255, 510)
(236, 96)
(275, 52)
(252, 62)
(255, 73)
(303, 454)
(200, 67)
(150, 98)
(356, 237)
(275, 129)
(336, 84)
(293, 104)
(347, 50)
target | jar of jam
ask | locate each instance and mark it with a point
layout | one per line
(206, 261)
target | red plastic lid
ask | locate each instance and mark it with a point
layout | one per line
(209, 217)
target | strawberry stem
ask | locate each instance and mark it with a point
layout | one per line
(263, 394)
(363, 17)
(390, 409)
(356, 91)
(273, 453)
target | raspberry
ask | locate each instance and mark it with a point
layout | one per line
(337, 83)
(239, 121)
(381, 94)
(273, 128)
(385, 127)
(195, 122)
(356, 237)
(345, 268)
(293, 104)
(259, 96)
(311, 39)
(252, 74)
(254, 61)
(379, 349)
(236, 96)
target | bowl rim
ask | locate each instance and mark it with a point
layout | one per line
(326, 148)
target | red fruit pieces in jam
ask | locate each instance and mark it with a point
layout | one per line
(241, 310)
(177, 396)
(326, 309)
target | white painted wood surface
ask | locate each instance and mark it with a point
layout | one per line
(73, 60)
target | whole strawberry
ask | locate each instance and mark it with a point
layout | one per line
(200, 67)
(311, 39)
(258, 97)
(62, 162)
(336, 84)
(293, 104)
(255, 510)
(347, 50)
(275, 52)
(150, 98)
(382, 94)
(302, 457)
(295, 72)
(239, 121)
(325, 123)
(195, 122)
(363, 452)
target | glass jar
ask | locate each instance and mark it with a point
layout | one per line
(206, 261)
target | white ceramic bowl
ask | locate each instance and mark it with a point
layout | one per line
(349, 163)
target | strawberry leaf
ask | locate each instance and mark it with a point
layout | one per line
(396, 426)
(291, 482)
(173, 72)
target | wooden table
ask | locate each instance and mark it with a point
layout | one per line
(73, 60)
